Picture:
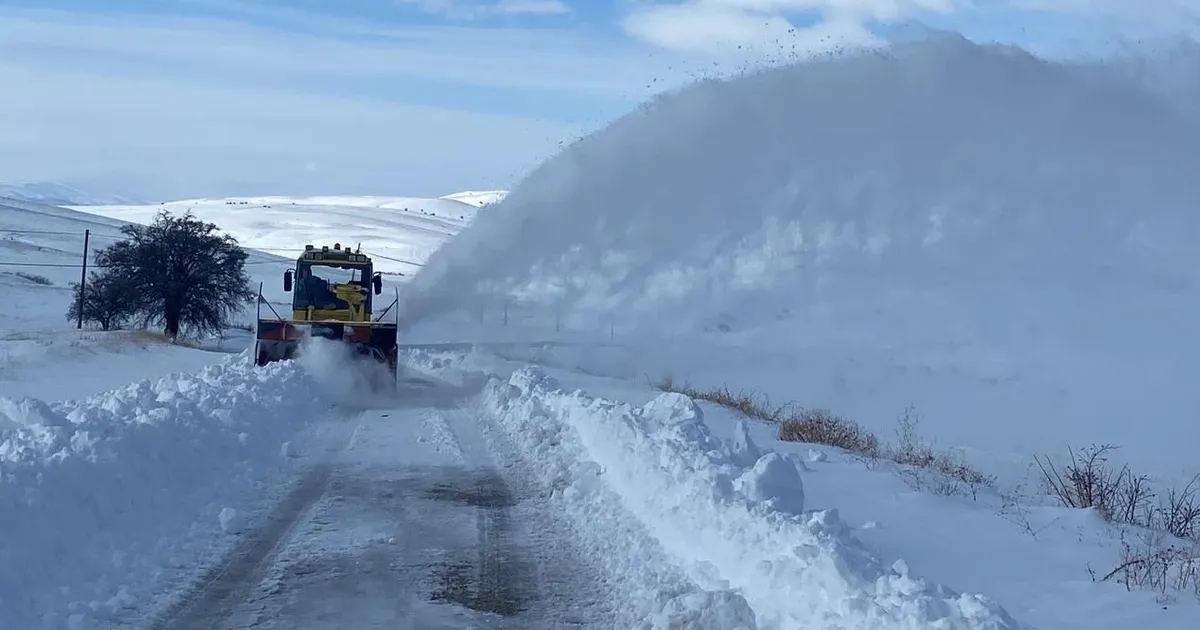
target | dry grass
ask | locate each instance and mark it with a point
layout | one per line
(819, 426)
(748, 403)
(955, 477)
(34, 278)
(123, 338)
(922, 466)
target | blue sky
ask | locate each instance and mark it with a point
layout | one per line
(171, 98)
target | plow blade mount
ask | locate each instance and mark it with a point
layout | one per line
(279, 340)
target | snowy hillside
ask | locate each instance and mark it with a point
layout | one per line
(401, 232)
(57, 194)
(478, 197)
(41, 250)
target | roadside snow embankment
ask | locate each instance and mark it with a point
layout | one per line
(731, 513)
(100, 497)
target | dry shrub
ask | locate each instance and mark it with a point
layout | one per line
(1178, 513)
(1088, 481)
(1166, 555)
(1158, 562)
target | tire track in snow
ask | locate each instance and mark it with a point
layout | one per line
(225, 586)
(526, 550)
(455, 538)
(496, 580)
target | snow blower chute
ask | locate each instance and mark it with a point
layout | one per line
(332, 291)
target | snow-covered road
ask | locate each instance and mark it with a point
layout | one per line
(487, 493)
(414, 516)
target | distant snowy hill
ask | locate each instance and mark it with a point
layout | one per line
(56, 194)
(478, 197)
(401, 232)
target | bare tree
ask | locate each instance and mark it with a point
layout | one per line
(181, 273)
(106, 301)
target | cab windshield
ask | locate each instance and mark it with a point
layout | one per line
(314, 284)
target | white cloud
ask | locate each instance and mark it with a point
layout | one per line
(714, 27)
(717, 25)
(761, 26)
(179, 137)
(194, 107)
(535, 59)
(1170, 14)
(544, 7)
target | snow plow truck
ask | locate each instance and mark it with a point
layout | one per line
(333, 293)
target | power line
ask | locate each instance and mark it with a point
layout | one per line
(94, 266)
(46, 232)
(63, 265)
(407, 262)
(372, 255)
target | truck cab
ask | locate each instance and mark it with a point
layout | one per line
(332, 284)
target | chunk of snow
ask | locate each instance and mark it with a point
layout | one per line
(706, 610)
(775, 482)
(230, 523)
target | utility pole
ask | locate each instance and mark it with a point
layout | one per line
(83, 278)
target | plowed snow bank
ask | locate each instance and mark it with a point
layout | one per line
(731, 513)
(98, 497)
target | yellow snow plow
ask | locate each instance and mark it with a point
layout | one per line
(332, 297)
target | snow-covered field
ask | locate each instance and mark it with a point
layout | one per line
(858, 254)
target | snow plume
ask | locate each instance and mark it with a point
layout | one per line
(732, 513)
(93, 491)
(935, 188)
(341, 374)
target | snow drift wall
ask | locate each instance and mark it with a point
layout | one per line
(732, 514)
(937, 190)
(98, 497)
